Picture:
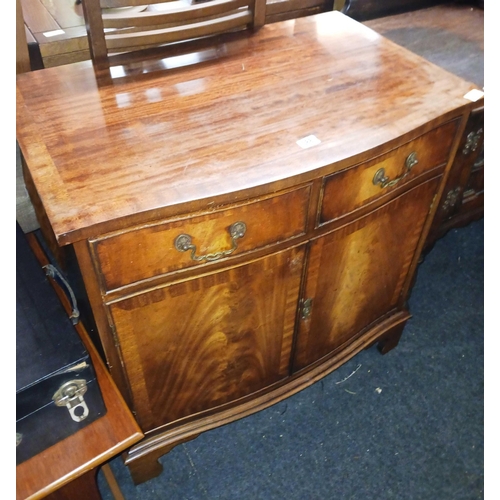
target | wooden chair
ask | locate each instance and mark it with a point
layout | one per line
(118, 29)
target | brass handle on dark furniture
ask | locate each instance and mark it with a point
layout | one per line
(183, 243)
(306, 308)
(384, 181)
(472, 141)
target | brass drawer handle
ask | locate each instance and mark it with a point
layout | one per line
(306, 308)
(384, 181)
(472, 141)
(183, 243)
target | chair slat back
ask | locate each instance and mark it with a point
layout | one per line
(122, 26)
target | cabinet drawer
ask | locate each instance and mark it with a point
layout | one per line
(475, 184)
(351, 189)
(127, 257)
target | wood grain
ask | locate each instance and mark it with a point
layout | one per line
(140, 157)
(149, 251)
(351, 189)
(123, 153)
(37, 17)
(142, 460)
(22, 55)
(198, 344)
(356, 273)
(93, 445)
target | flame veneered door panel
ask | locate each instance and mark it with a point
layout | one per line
(197, 344)
(356, 273)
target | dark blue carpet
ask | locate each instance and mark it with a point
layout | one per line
(405, 426)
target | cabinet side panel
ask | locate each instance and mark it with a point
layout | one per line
(356, 273)
(195, 345)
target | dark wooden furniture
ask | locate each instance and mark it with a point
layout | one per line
(57, 392)
(245, 225)
(68, 469)
(365, 10)
(462, 200)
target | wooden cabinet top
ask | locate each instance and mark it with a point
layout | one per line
(107, 153)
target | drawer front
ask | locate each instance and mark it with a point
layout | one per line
(349, 190)
(475, 184)
(172, 245)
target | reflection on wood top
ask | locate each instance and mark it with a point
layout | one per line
(106, 153)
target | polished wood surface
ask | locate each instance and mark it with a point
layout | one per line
(195, 339)
(120, 151)
(356, 273)
(460, 25)
(286, 130)
(71, 464)
(351, 189)
(141, 253)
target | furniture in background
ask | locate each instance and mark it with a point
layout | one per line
(57, 393)
(56, 31)
(22, 54)
(462, 200)
(246, 225)
(67, 470)
(139, 25)
(365, 10)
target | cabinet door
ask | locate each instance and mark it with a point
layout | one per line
(200, 343)
(356, 273)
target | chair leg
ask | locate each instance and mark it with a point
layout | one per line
(112, 483)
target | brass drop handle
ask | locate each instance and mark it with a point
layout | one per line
(472, 142)
(306, 305)
(184, 242)
(384, 181)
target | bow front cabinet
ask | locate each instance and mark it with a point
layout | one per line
(245, 225)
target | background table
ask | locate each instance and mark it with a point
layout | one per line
(68, 469)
